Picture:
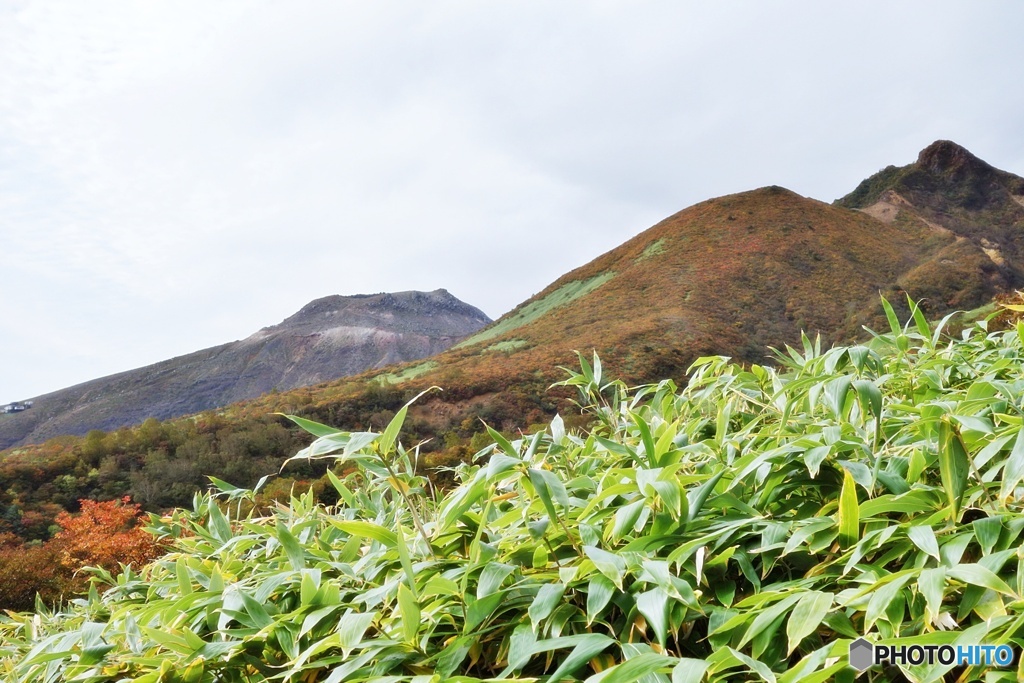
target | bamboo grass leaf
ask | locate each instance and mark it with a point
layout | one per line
(504, 443)
(890, 314)
(813, 457)
(585, 648)
(406, 560)
(870, 396)
(767, 617)
(225, 487)
(653, 604)
(689, 670)
(549, 489)
(836, 391)
(548, 597)
(609, 564)
(452, 656)
(698, 496)
(883, 597)
(634, 669)
(521, 647)
(919, 320)
(807, 615)
(923, 537)
(313, 619)
(671, 494)
(978, 575)
(409, 609)
(491, 578)
(987, 530)
(292, 548)
(390, 433)
(625, 518)
(218, 525)
(314, 428)
(953, 466)
(648, 440)
(352, 627)
(599, 593)
(931, 584)
(367, 530)
(848, 518)
(1013, 470)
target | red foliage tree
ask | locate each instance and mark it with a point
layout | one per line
(104, 535)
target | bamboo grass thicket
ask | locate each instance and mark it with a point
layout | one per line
(746, 527)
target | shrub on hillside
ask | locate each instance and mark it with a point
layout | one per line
(103, 535)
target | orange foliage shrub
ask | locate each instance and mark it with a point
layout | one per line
(103, 535)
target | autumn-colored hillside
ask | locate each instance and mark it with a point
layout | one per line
(730, 276)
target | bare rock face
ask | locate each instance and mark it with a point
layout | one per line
(329, 338)
(944, 156)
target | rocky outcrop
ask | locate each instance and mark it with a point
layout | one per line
(958, 195)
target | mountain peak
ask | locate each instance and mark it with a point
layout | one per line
(944, 156)
(417, 304)
(945, 178)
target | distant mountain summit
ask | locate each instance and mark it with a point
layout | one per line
(327, 339)
(946, 178)
(732, 276)
(947, 157)
(959, 196)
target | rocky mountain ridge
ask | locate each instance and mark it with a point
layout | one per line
(960, 196)
(328, 338)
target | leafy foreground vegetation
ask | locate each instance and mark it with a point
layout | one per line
(747, 527)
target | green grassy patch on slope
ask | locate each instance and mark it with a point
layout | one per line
(407, 373)
(527, 314)
(509, 345)
(871, 189)
(653, 249)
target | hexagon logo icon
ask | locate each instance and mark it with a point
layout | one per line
(862, 654)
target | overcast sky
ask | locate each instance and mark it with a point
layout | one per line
(175, 175)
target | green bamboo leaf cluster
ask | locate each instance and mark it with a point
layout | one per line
(745, 527)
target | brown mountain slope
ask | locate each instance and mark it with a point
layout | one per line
(732, 276)
(329, 338)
